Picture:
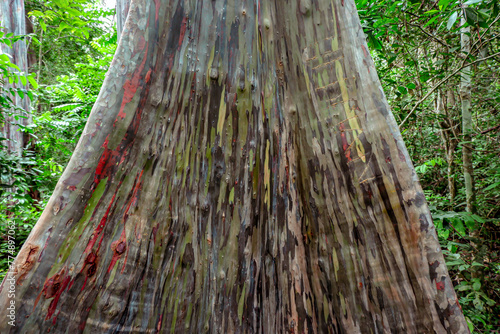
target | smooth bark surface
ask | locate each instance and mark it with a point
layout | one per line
(241, 172)
(12, 19)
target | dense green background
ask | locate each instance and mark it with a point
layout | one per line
(415, 44)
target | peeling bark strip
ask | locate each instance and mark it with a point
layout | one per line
(240, 172)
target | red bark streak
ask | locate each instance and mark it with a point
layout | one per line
(118, 247)
(183, 30)
(440, 286)
(82, 325)
(53, 303)
(84, 283)
(158, 326)
(155, 229)
(100, 227)
(364, 51)
(131, 85)
(133, 199)
(55, 318)
(108, 159)
(345, 143)
(51, 286)
(157, 9)
(148, 76)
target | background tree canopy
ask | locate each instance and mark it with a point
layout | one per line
(425, 68)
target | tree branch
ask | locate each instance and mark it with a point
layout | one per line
(443, 81)
(490, 129)
(430, 35)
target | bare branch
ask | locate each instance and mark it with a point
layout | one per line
(443, 81)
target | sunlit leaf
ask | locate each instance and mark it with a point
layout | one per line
(452, 20)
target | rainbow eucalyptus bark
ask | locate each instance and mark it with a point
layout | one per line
(241, 172)
(12, 19)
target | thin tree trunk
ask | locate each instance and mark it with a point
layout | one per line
(12, 19)
(453, 140)
(465, 94)
(122, 8)
(241, 172)
(449, 139)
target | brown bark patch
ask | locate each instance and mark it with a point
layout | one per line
(28, 263)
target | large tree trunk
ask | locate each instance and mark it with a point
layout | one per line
(12, 19)
(240, 172)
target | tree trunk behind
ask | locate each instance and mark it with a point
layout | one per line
(448, 135)
(12, 19)
(465, 96)
(240, 172)
(122, 8)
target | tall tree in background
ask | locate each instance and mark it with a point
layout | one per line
(465, 97)
(241, 172)
(12, 19)
(122, 8)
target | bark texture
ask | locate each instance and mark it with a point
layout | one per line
(12, 19)
(241, 172)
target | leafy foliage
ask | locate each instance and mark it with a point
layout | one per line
(61, 106)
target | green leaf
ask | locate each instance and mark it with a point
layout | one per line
(454, 263)
(73, 11)
(477, 264)
(14, 66)
(35, 13)
(489, 301)
(476, 286)
(43, 25)
(432, 20)
(443, 4)
(402, 90)
(459, 226)
(470, 2)
(469, 221)
(33, 81)
(471, 16)
(452, 20)
(492, 186)
(478, 219)
(23, 80)
(411, 85)
(424, 76)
